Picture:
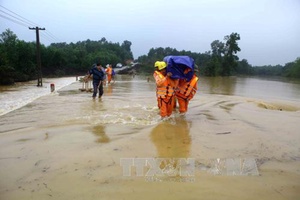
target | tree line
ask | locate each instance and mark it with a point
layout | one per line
(222, 60)
(18, 58)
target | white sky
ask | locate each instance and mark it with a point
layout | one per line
(269, 29)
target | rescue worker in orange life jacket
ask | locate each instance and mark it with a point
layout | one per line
(109, 73)
(185, 92)
(165, 89)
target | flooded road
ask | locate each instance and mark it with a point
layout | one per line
(238, 140)
(21, 93)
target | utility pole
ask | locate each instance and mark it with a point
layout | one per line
(38, 56)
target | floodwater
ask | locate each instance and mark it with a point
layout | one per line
(15, 96)
(239, 140)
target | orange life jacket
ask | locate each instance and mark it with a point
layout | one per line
(164, 88)
(187, 90)
(108, 71)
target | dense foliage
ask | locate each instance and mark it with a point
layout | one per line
(18, 59)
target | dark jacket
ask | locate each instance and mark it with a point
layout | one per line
(97, 75)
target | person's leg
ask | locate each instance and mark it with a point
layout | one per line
(186, 105)
(101, 89)
(170, 106)
(174, 102)
(95, 88)
(182, 105)
(163, 108)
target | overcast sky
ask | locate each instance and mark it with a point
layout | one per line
(269, 29)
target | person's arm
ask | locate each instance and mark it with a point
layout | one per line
(160, 80)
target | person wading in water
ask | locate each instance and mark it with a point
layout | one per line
(98, 77)
(165, 89)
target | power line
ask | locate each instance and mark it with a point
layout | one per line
(45, 36)
(17, 22)
(53, 36)
(15, 17)
(25, 22)
(30, 22)
(20, 23)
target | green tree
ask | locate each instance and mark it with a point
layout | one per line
(217, 48)
(8, 41)
(244, 68)
(230, 58)
(293, 69)
(214, 65)
(25, 64)
(17, 62)
(126, 54)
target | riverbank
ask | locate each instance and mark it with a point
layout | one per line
(67, 146)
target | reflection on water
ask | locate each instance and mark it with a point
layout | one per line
(109, 89)
(172, 139)
(218, 85)
(99, 131)
(270, 88)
